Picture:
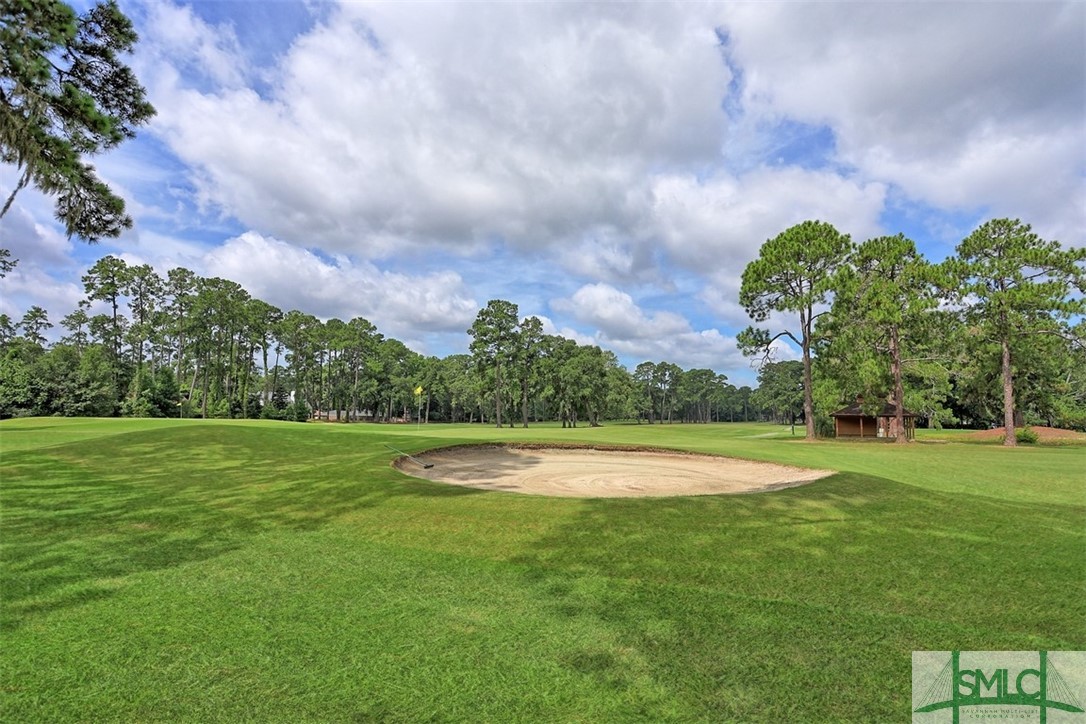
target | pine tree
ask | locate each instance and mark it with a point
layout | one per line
(66, 95)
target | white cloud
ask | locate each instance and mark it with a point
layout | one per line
(165, 252)
(962, 105)
(721, 295)
(31, 242)
(616, 316)
(627, 329)
(549, 327)
(208, 52)
(525, 122)
(718, 225)
(1026, 177)
(43, 254)
(582, 151)
(29, 285)
(611, 259)
(401, 306)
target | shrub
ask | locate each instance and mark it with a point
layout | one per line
(139, 407)
(1026, 436)
(297, 412)
(221, 410)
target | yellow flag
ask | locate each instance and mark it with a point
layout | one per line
(418, 391)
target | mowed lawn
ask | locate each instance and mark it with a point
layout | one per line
(232, 571)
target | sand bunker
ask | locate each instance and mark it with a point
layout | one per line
(592, 473)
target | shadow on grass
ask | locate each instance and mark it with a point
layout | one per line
(78, 517)
(805, 604)
(478, 467)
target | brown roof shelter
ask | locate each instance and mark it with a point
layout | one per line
(852, 421)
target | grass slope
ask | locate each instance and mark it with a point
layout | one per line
(225, 571)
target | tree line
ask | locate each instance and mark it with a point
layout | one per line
(953, 342)
(993, 333)
(143, 345)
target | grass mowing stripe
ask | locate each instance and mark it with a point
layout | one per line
(375, 624)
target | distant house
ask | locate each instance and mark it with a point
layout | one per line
(852, 421)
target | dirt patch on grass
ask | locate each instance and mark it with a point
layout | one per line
(1043, 434)
(601, 472)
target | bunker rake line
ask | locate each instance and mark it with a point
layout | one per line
(424, 465)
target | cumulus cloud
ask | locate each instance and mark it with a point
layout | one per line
(526, 122)
(615, 315)
(291, 278)
(623, 326)
(41, 251)
(600, 129)
(204, 51)
(962, 105)
(31, 242)
(1026, 176)
(718, 224)
(29, 285)
(627, 159)
(613, 260)
(549, 327)
(721, 295)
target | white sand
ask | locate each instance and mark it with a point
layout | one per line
(587, 473)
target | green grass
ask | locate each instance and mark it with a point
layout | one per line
(229, 571)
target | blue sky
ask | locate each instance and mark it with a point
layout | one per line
(611, 168)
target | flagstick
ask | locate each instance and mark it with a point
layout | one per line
(418, 410)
